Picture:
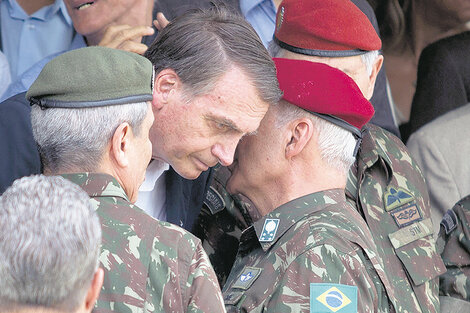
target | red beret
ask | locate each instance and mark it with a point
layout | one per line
(328, 28)
(324, 91)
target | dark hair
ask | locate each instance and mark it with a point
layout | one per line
(394, 18)
(201, 45)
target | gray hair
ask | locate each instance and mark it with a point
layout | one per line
(201, 45)
(368, 58)
(50, 244)
(336, 144)
(76, 138)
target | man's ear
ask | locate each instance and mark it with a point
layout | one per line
(166, 82)
(373, 75)
(301, 131)
(94, 290)
(120, 144)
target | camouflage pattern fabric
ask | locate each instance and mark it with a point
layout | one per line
(150, 266)
(400, 225)
(392, 197)
(318, 238)
(454, 245)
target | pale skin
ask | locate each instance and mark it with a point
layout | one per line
(126, 157)
(32, 6)
(196, 132)
(124, 30)
(86, 306)
(277, 165)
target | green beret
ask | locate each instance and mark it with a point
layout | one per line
(92, 77)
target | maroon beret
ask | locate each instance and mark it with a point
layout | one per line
(324, 91)
(328, 28)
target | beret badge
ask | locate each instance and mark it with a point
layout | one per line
(280, 18)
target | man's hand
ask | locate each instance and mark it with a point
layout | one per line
(125, 37)
(160, 22)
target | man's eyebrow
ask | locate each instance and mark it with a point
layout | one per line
(226, 121)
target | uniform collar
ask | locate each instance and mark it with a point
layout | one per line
(372, 150)
(293, 211)
(248, 5)
(16, 11)
(98, 184)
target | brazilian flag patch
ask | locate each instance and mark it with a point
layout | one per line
(326, 298)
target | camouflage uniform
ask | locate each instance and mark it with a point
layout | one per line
(454, 245)
(392, 197)
(319, 238)
(393, 200)
(150, 266)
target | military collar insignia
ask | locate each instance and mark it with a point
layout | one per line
(396, 197)
(247, 277)
(269, 230)
(332, 298)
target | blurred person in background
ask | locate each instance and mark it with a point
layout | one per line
(407, 27)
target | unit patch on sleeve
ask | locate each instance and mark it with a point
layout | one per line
(214, 200)
(406, 215)
(396, 197)
(326, 298)
(247, 277)
(449, 221)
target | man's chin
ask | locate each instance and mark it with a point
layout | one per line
(188, 174)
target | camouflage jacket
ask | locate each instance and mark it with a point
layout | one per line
(388, 189)
(379, 185)
(454, 246)
(300, 256)
(150, 266)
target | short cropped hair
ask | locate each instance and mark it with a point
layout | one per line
(336, 144)
(368, 58)
(201, 45)
(76, 138)
(50, 243)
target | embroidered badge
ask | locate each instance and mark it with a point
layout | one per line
(332, 298)
(449, 221)
(280, 19)
(233, 297)
(247, 277)
(269, 230)
(214, 201)
(396, 197)
(406, 215)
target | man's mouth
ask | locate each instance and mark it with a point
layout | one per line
(84, 6)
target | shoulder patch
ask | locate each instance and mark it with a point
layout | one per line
(233, 297)
(449, 221)
(396, 197)
(214, 201)
(406, 215)
(332, 298)
(247, 277)
(269, 230)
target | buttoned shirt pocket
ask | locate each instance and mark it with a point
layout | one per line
(409, 242)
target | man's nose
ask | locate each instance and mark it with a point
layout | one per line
(225, 152)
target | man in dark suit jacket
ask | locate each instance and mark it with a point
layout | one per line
(19, 156)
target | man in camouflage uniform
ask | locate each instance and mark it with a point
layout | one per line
(91, 115)
(385, 184)
(453, 244)
(311, 251)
